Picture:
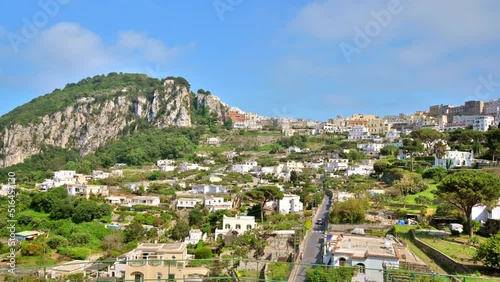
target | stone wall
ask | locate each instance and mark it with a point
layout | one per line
(451, 265)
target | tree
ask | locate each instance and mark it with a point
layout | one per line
(465, 189)
(411, 183)
(412, 147)
(349, 211)
(435, 173)
(134, 231)
(196, 217)
(228, 124)
(264, 194)
(389, 150)
(180, 230)
(380, 166)
(489, 251)
(202, 253)
(428, 136)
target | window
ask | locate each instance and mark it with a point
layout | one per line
(173, 257)
(249, 226)
(361, 268)
(228, 226)
(342, 262)
(238, 226)
(158, 276)
(171, 277)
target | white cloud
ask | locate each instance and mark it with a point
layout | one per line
(69, 47)
(151, 49)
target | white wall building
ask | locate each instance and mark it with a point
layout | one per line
(165, 162)
(239, 224)
(290, 204)
(63, 177)
(99, 174)
(370, 254)
(456, 159)
(360, 169)
(145, 200)
(188, 203)
(371, 147)
(483, 123)
(195, 235)
(209, 189)
(244, 167)
(336, 165)
(358, 133)
(87, 190)
(482, 213)
(217, 203)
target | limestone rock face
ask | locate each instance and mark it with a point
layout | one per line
(89, 124)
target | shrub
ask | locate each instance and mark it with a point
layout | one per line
(31, 249)
(57, 241)
(307, 224)
(308, 213)
(203, 253)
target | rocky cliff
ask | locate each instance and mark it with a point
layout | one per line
(89, 123)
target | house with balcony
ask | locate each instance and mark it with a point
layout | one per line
(236, 225)
(159, 262)
(151, 201)
(217, 203)
(116, 200)
(290, 204)
(244, 167)
(452, 159)
(87, 190)
(188, 203)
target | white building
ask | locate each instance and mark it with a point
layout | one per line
(213, 141)
(483, 123)
(188, 203)
(371, 147)
(209, 189)
(87, 190)
(290, 204)
(360, 169)
(63, 177)
(145, 200)
(482, 213)
(358, 133)
(455, 159)
(370, 254)
(167, 168)
(165, 162)
(244, 167)
(238, 224)
(342, 196)
(99, 174)
(195, 235)
(332, 165)
(217, 203)
(294, 166)
(392, 135)
(116, 200)
(188, 166)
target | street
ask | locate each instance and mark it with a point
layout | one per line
(313, 245)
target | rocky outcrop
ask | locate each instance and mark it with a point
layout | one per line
(213, 102)
(89, 124)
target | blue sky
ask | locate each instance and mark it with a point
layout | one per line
(301, 59)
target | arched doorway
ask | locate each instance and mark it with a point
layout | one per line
(138, 276)
(342, 262)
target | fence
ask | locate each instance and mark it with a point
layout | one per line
(228, 269)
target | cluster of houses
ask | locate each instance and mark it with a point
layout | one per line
(70, 177)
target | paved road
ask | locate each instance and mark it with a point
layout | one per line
(313, 245)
